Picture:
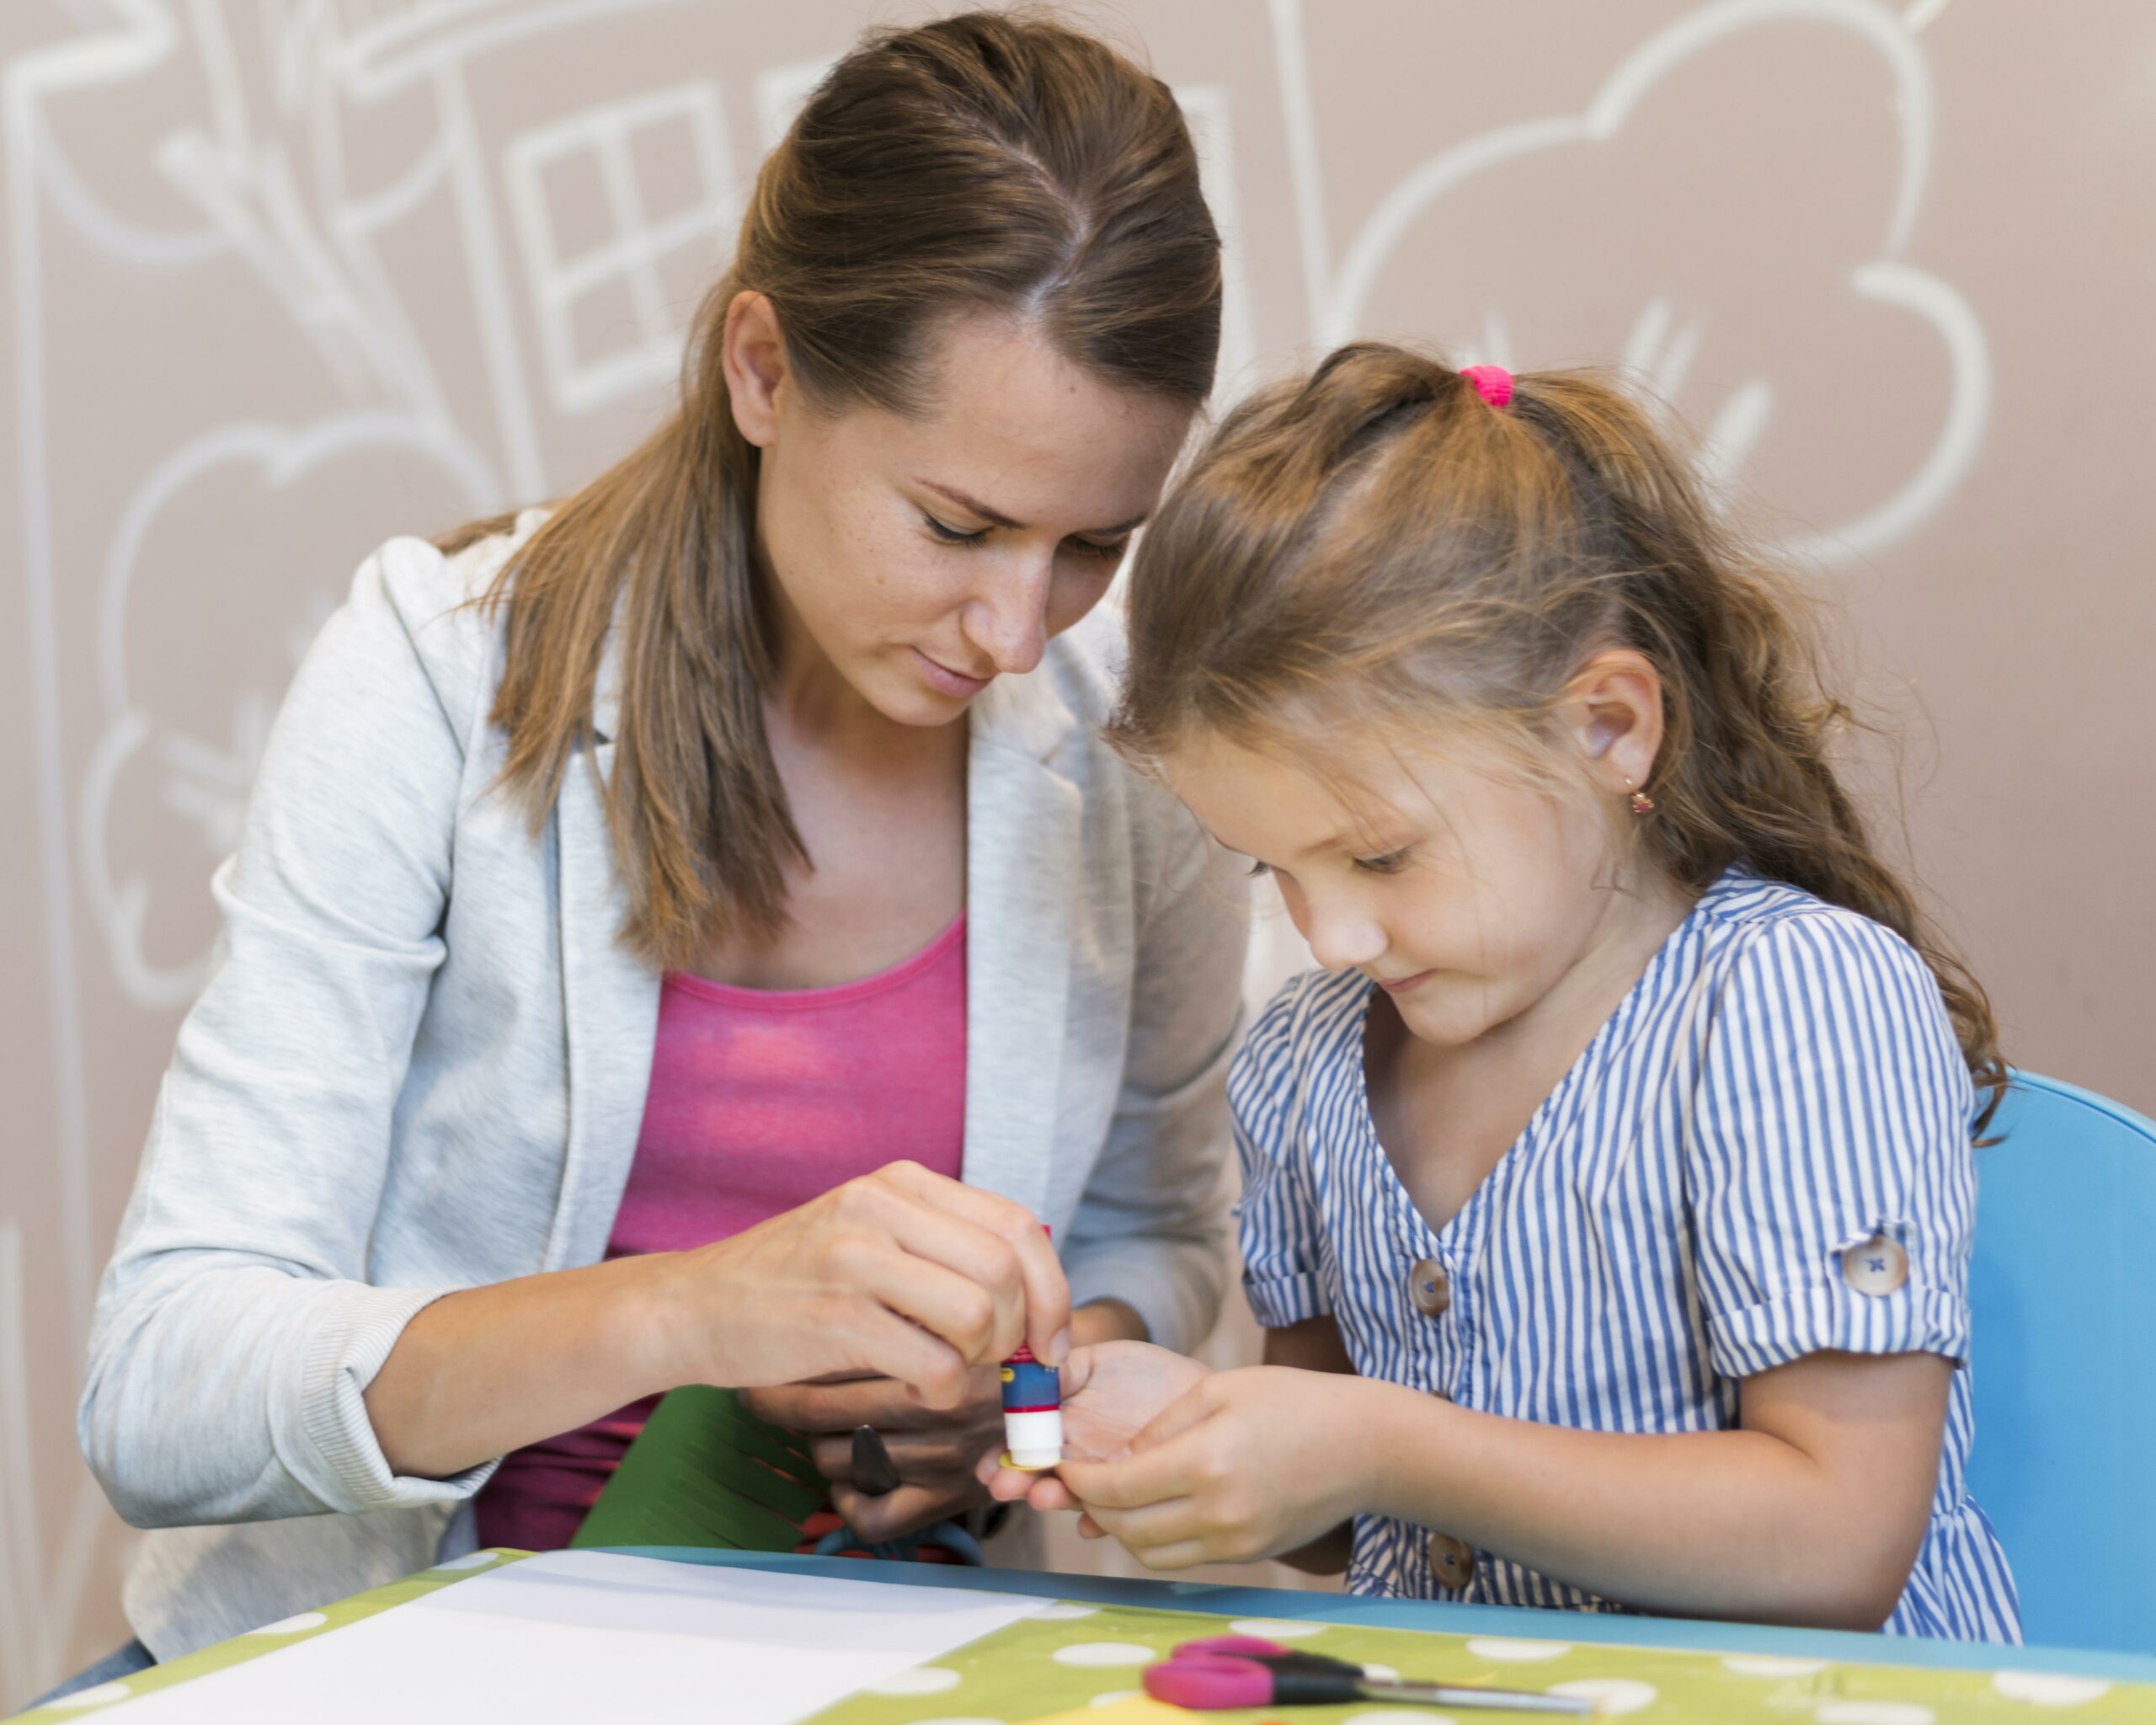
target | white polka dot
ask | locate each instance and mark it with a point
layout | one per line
(961, 1722)
(471, 1560)
(292, 1626)
(1063, 1614)
(1610, 1695)
(922, 1680)
(1117, 1697)
(1874, 1713)
(1380, 1673)
(103, 1695)
(1518, 1653)
(1276, 1628)
(1105, 1652)
(1400, 1716)
(2048, 1688)
(1770, 1665)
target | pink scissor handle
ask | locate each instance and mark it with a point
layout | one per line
(1209, 1683)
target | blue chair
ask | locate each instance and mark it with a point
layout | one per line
(2063, 1292)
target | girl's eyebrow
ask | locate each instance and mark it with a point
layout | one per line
(997, 518)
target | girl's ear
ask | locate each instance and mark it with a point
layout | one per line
(753, 354)
(1612, 711)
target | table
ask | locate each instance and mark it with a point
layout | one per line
(1092, 1646)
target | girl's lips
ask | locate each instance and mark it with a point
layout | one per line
(1406, 983)
(951, 682)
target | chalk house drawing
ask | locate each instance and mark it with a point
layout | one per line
(1661, 345)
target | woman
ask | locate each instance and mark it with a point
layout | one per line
(695, 935)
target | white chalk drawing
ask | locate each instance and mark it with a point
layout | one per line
(1663, 348)
(613, 145)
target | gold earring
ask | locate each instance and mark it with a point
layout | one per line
(1642, 804)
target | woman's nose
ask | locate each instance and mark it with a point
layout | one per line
(1008, 620)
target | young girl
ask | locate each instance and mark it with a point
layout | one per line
(1621, 1150)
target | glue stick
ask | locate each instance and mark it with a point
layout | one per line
(1032, 1412)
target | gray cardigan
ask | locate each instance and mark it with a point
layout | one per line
(420, 1062)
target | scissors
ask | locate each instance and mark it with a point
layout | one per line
(1225, 1671)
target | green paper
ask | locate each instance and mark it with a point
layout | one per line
(706, 1472)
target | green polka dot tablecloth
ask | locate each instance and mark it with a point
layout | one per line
(1088, 1658)
(1074, 1657)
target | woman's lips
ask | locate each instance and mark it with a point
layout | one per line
(951, 682)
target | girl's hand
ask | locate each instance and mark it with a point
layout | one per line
(1247, 1464)
(1110, 1393)
(901, 1274)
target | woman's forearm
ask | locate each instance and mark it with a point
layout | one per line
(1732, 1524)
(486, 1370)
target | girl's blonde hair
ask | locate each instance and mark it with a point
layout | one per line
(987, 162)
(1377, 544)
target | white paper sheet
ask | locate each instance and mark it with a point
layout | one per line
(585, 1637)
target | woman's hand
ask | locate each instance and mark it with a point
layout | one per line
(901, 1274)
(1246, 1464)
(1110, 1393)
(940, 1454)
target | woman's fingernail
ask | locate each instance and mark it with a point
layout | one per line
(1058, 1350)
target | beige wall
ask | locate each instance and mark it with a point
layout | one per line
(283, 278)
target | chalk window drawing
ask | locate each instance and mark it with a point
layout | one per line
(622, 215)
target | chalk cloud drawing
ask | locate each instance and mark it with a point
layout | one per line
(1661, 343)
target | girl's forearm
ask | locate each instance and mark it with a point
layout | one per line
(1732, 1524)
(486, 1370)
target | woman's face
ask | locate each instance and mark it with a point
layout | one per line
(919, 557)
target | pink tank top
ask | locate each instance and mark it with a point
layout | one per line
(760, 1101)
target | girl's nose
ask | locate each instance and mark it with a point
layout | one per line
(1342, 939)
(1008, 619)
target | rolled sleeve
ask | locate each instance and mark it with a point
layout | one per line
(1830, 1162)
(338, 1455)
(1278, 1222)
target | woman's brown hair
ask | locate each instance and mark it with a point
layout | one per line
(1379, 544)
(988, 162)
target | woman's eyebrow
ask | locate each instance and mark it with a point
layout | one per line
(997, 518)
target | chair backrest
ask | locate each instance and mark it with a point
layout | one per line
(2064, 1294)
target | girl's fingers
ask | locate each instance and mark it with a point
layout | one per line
(1155, 1524)
(1049, 1494)
(1192, 1407)
(1183, 1555)
(1145, 1476)
(1046, 1293)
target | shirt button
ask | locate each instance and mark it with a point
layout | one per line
(1877, 1265)
(1452, 1562)
(1430, 1288)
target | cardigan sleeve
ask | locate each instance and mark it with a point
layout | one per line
(1152, 1229)
(237, 1329)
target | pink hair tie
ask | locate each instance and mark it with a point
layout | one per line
(1493, 383)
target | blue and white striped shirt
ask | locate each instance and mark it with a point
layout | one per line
(1782, 1085)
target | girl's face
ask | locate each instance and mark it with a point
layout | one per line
(920, 557)
(1463, 891)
